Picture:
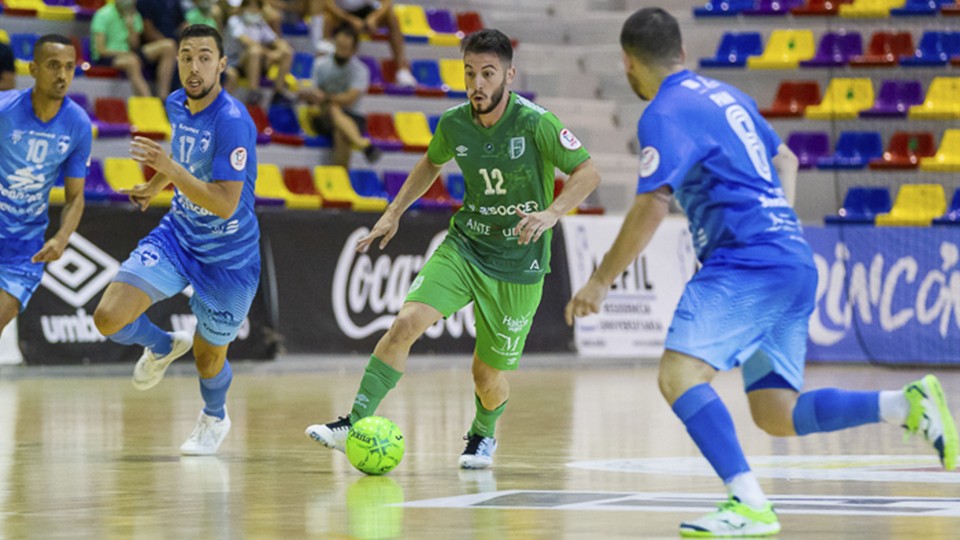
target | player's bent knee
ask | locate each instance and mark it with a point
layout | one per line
(107, 320)
(403, 330)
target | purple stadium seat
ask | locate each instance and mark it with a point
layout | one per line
(376, 77)
(836, 49)
(96, 188)
(733, 50)
(895, 99)
(393, 181)
(809, 146)
(441, 21)
(854, 151)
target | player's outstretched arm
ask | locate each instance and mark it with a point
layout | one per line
(641, 222)
(423, 175)
(787, 165)
(69, 221)
(583, 180)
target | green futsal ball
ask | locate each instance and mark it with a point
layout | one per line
(375, 445)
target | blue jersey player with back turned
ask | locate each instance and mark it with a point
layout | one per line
(704, 143)
(43, 135)
(209, 240)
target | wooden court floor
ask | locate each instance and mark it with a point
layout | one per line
(585, 453)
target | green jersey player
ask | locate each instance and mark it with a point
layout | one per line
(497, 250)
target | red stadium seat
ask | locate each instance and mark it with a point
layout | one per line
(383, 133)
(111, 110)
(299, 180)
(885, 50)
(469, 22)
(905, 151)
(819, 7)
(793, 97)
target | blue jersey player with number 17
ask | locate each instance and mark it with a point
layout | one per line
(43, 135)
(704, 143)
(209, 240)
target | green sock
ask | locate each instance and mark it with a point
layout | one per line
(378, 379)
(485, 422)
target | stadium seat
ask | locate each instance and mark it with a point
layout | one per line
(96, 188)
(767, 8)
(733, 50)
(451, 71)
(934, 49)
(950, 10)
(819, 7)
(885, 49)
(433, 120)
(427, 73)
(125, 173)
(86, 8)
(942, 100)
(4, 36)
(57, 10)
(376, 77)
(861, 205)
(947, 158)
(722, 8)
(843, 99)
(952, 216)
(836, 49)
(21, 8)
(785, 50)
(270, 185)
(90, 70)
(920, 7)
(916, 205)
(382, 132)
(469, 22)
(855, 150)
(311, 139)
(367, 183)
(444, 26)
(895, 99)
(413, 23)
(905, 150)
(809, 147)
(456, 186)
(148, 118)
(388, 69)
(286, 126)
(792, 99)
(869, 9)
(302, 66)
(111, 117)
(22, 45)
(413, 130)
(294, 28)
(333, 184)
(262, 122)
(435, 198)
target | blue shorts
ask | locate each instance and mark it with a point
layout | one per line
(18, 275)
(221, 297)
(731, 315)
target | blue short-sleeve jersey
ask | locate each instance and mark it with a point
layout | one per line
(707, 141)
(217, 144)
(33, 154)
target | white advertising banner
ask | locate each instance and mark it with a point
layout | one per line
(634, 319)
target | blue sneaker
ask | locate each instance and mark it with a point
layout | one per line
(479, 452)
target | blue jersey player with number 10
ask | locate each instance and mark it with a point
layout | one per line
(704, 143)
(43, 134)
(209, 240)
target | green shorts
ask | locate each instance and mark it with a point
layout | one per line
(503, 310)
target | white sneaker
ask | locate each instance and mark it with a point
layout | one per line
(332, 435)
(733, 519)
(207, 436)
(405, 78)
(479, 452)
(150, 368)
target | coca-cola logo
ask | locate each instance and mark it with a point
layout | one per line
(369, 290)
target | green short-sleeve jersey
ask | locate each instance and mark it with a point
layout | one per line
(506, 167)
(109, 21)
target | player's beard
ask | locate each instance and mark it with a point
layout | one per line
(635, 85)
(203, 92)
(495, 100)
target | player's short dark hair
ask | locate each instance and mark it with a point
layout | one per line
(652, 35)
(349, 30)
(202, 31)
(489, 40)
(49, 38)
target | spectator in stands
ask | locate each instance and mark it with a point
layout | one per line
(340, 80)
(277, 12)
(201, 12)
(253, 48)
(366, 16)
(116, 30)
(8, 68)
(161, 19)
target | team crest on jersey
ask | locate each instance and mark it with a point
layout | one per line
(517, 146)
(649, 161)
(569, 140)
(16, 136)
(205, 141)
(63, 144)
(238, 158)
(149, 256)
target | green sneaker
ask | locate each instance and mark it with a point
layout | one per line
(930, 417)
(733, 518)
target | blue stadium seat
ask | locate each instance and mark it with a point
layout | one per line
(920, 7)
(861, 205)
(854, 151)
(733, 50)
(952, 217)
(429, 82)
(22, 45)
(934, 49)
(456, 186)
(302, 66)
(723, 8)
(433, 121)
(367, 184)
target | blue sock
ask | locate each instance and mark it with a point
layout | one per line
(709, 424)
(830, 409)
(145, 333)
(214, 391)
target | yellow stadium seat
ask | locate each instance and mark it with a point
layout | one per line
(413, 130)
(24, 4)
(124, 173)
(4, 37)
(333, 183)
(58, 195)
(917, 205)
(55, 13)
(942, 101)
(844, 99)
(148, 117)
(304, 114)
(270, 184)
(785, 50)
(413, 21)
(869, 8)
(947, 158)
(451, 71)
(22, 67)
